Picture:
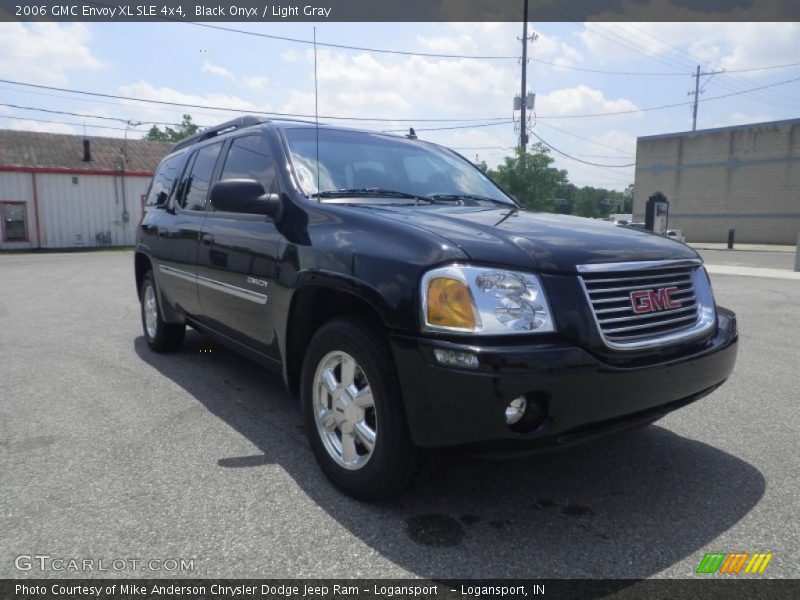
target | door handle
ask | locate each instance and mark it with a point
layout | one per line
(207, 239)
(162, 232)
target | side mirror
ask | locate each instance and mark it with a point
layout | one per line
(243, 196)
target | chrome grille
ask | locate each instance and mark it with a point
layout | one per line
(609, 288)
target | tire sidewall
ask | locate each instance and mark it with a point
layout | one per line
(344, 336)
(149, 280)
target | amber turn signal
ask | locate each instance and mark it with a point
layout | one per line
(450, 304)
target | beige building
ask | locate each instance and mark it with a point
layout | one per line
(68, 191)
(746, 178)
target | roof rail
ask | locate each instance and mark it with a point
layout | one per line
(232, 125)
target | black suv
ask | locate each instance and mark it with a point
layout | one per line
(411, 303)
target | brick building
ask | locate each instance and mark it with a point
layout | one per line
(744, 177)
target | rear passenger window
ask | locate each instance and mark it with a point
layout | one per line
(194, 187)
(164, 181)
(249, 157)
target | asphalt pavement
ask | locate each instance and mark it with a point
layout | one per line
(110, 451)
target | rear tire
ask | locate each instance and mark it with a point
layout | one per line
(353, 409)
(160, 336)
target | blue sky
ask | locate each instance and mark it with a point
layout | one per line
(187, 63)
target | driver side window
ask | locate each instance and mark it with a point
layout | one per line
(194, 186)
(249, 157)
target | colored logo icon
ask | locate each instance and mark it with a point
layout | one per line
(734, 563)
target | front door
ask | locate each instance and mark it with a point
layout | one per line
(181, 231)
(238, 252)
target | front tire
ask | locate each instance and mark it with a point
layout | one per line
(353, 409)
(160, 336)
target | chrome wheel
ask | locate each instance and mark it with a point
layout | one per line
(344, 410)
(150, 310)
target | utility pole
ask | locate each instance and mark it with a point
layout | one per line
(523, 133)
(696, 98)
(698, 91)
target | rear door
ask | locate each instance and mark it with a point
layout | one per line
(238, 254)
(180, 231)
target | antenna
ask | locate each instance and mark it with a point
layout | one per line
(316, 109)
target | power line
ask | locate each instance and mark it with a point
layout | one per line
(770, 97)
(572, 15)
(586, 139)
(83, 115)
(482, 147)
(348, 47)
(472, 126)
(769, 68)
(141, 122)
(63, 123)
(586, 162)
(240, 110)
(481, 122)
(431, 54)
(677, 104)
(445, 55)
(473, 56)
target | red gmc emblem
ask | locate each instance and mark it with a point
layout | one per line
(645, 301)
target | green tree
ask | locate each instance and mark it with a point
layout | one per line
(531, 178)
(186, 128)
(587, 202)
(565, 197)
(628, 197)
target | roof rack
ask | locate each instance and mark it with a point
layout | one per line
(232, 125)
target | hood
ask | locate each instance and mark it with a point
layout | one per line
(546, 242)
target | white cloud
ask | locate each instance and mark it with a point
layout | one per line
(580, 100)
(760, 44)
(678, 47)
(739, 118)
(554, 50)
(363, 85)
(498, 39)
(641, 11)
(489, 38)
(45, 52)
(206, 117)
(217, 70)
(26, 125)
(612, 142)
(254, 82)
(291, 56)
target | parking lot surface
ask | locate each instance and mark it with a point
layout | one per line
(110, 451)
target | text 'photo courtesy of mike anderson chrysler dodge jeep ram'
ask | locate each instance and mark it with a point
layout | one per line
(411, 304)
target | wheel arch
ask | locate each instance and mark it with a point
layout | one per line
(141, 265)
(314, 304)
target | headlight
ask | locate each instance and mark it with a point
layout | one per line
(479, 300)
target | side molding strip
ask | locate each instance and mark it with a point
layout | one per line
(216, 285)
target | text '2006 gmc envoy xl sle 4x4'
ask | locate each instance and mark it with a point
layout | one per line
(410, 303)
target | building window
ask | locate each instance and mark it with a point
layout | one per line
(15, 227)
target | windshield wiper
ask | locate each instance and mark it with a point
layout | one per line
(371, 193)
(471, 197)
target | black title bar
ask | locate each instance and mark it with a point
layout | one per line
(406, 589)
(400, 11)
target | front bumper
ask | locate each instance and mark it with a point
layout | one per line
(583, 395)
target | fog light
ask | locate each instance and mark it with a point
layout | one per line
(516, 410)
(453, 358)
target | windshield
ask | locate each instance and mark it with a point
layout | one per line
(358, 160)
